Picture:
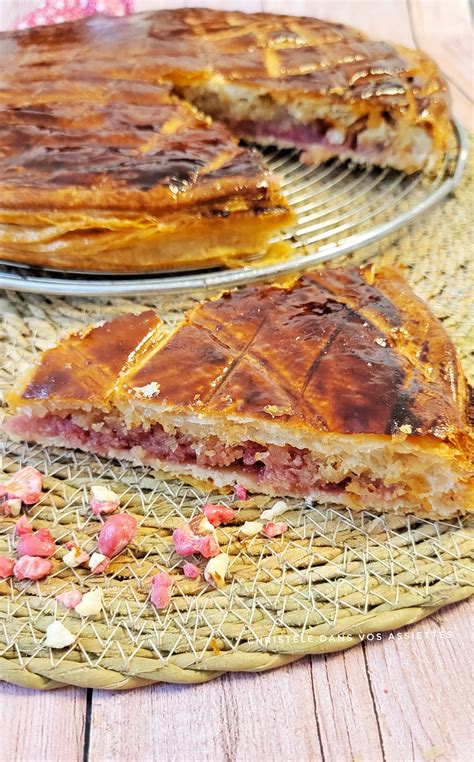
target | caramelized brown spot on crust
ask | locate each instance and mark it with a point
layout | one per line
(190, 354)
(470, 405)
(85, 366)
(350, 287)
(322, 358)
(90, 130)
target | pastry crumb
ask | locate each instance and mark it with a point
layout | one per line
(149, 390)
(277, 410)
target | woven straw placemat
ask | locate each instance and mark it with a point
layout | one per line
(332, 579)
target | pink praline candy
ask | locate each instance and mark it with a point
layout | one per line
(162, 578)
(161, 584)
(274, 528)
(116, 534)
(186, 543)
(218, 514)
(6, 567)
(240, 492)
(191, 571)
(98, 506)
(207, 546)
(23, 527)
(32, 567)
(41, 543)
(26, 485)
(70, 599)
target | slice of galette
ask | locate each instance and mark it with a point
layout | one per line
(339, 386)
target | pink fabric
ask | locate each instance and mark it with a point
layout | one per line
(57, 11)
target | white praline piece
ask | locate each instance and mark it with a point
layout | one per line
(75, 557)
(96, 559)
(58, 636)
(91, 603)
(278, 509)
(216, 569)
(103, 494)
(251, 528)
(205, 526)
(71, 558)
(14, 506)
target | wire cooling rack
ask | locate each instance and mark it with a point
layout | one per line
(340, 207)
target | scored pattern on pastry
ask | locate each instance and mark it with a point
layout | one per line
(136, 134)
(332, 351)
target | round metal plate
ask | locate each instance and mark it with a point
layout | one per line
(339, 208)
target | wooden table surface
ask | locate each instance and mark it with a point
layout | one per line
(403, 696)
